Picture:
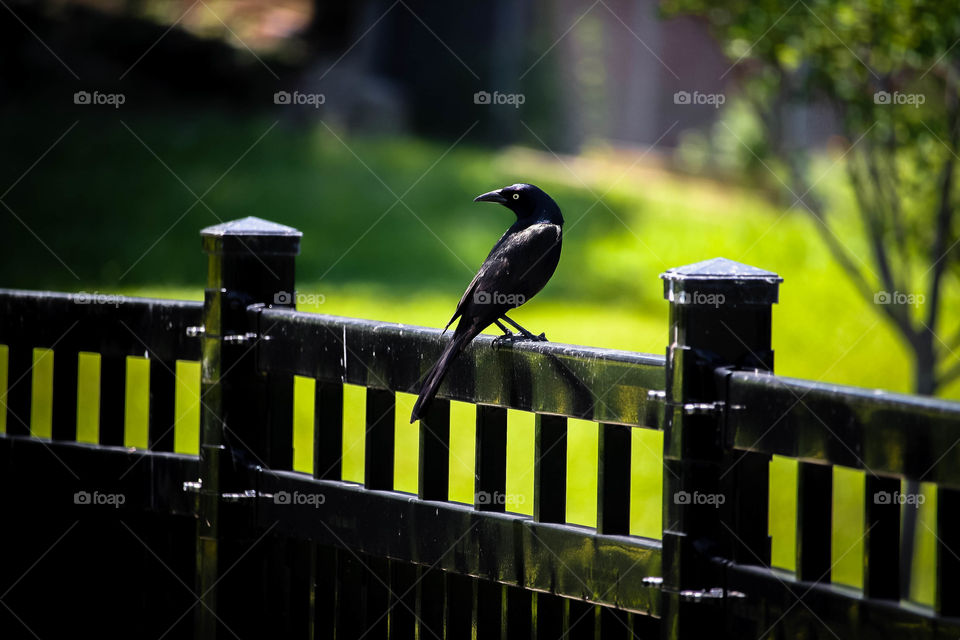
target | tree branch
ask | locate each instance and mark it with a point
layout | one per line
(944, 213)
(897, 313)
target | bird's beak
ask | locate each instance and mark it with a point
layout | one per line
(491, 196)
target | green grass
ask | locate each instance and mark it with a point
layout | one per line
(121, 222)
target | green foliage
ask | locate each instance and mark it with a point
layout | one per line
(890, 72)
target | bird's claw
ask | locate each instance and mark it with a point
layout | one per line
(510, 338)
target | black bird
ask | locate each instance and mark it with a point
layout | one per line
(518, 267)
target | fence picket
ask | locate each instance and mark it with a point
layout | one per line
(550, 469)
(434, 463)
(948, 544)
(613, 479)
(328, 431)
(65, 362)
(163, 388)
(814, 521)
(881, 542)
(379, 444)
(113, 384)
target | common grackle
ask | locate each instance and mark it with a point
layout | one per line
(518, 267)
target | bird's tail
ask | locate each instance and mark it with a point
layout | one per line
(439, 370)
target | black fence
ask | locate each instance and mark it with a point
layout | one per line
(148, 543)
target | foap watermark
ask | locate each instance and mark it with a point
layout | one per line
(297, 498)
(97, 98)
(99, 499)
(293, 297)
(885, 97)
(485, 497)
(512, 99)
(885, 297)
(701, 298)
(496, 297)
(885, 497)
(296, 98)
(96, 297)
(697, 98)
(697, 498)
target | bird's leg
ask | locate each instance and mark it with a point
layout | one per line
(526, 334)
(507, 334)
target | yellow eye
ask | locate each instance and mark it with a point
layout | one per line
(516, 196)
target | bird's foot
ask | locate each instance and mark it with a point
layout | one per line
(510, 338)
(507, 338)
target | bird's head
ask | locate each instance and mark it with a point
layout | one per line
(529, 202)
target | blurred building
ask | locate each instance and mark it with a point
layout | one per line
(566, 72)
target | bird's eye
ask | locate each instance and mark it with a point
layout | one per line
(516, 196)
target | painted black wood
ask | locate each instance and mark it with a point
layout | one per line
(116, 326)
(19, 388)
(814, 521)
(508, 548)
(549, 616)
(841, 613)
(244, 419)
(877, 431)
(560, 379)
(720, 320)
(352, 596)
(64, 418)
(113, 387)
(948, 562)
(613, 624)
(377, 597)
(163, 389)
(490, 608)
(434, 467)
(881, 541)
(431, 602)
(550, 469)
(279, 452)
(746, 485)
(490, 484)
(613, 479)
(326, 591)
(379, 447)
(328, 431)
(581, 620)
(459, 612)
(402, 621)
(519, 613)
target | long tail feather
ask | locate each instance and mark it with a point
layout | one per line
(439, 370)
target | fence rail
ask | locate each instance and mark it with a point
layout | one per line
(879, 432)
(602, 385)
(233, 542)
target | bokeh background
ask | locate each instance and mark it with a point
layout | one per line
(816, 139)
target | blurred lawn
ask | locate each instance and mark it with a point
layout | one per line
(113, 202)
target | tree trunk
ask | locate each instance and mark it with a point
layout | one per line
(924, 367)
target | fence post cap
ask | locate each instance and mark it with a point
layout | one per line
(253, 235)
(720, 281)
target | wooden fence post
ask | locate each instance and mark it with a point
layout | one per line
(720, 318)
(250, 261)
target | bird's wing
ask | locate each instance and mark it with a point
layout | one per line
(520, 264)
(473, 283)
